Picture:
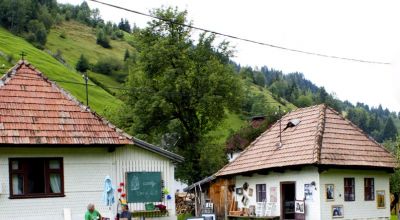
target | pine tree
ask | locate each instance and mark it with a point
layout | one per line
(127, 55)
(390, 130)
(82, 65)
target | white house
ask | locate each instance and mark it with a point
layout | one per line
(55, 153)
(317, 158)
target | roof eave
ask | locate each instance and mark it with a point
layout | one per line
(175, 157)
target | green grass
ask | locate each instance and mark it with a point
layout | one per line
(81, 39)
(99, 99)
(393, 217)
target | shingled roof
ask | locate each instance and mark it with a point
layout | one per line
(34, 110)
(323, 137)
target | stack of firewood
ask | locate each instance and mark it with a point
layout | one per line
(184, 203)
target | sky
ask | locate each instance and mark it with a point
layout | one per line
(359, 29)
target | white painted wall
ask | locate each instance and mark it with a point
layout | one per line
(358, 209)
(305, 176)
(84, 173)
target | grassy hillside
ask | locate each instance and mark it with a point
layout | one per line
(10, 44)
(81, 39)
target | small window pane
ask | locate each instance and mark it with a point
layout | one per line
(15, 165)
(54, 164)
(55, 183)
(17, 184)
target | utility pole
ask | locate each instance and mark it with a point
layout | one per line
(85, 76)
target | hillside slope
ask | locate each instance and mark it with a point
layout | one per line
(11, 45)
(81, 39)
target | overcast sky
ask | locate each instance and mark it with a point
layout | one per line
(367, 30)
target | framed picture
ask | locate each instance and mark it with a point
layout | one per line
(380, 199)
(308, 192)
(299, 207)
(195, 218)
(250, 192)
(239, 191)
(208, 216)
(337, 211)
(330, 192)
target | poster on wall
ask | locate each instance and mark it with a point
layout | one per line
(299, 210)
(273, 195)
(308, 192)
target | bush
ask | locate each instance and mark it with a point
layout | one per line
(102, 39)
(36, 33)
(63, 35)
(82, 65)
(107, 66)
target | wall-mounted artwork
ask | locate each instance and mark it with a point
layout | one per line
(380, 199)
(337, 211)
(330, 192)
(208, 216)
(273, 194)
(239, 191)
(299, 206)
(250, 192)
(308, 192)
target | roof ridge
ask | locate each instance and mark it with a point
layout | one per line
(319, 134)
(361, 131)
(12, 71)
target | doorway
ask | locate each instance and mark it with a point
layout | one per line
(288, 198)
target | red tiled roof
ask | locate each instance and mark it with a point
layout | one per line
(322, 137)
(34, 110)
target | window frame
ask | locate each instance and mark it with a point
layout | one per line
(370, 189)
(262, 191)
(353, 187)
(24, 172)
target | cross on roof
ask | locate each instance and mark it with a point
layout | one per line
(23, 54)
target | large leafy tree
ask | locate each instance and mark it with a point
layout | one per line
(180, 91)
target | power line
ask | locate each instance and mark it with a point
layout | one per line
(243, 39)
(121, 88)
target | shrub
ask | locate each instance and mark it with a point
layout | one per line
(102, 39)
(82, 65)
(63, 35)
(107, 66)
(36, 32)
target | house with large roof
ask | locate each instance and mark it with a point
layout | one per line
(312, 164)
(55, 154)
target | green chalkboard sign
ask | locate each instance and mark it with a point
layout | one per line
(143, 187)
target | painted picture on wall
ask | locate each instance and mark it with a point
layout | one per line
(380, 199)
(239, 191)
(330, 192)
(299, 206)
(208, 216)
(308, 192)
(337, 211)
(250, 192)
(273, 194)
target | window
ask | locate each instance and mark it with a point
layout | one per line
(261, 192)
(369, 189)
(36, 177)
(349, 189)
